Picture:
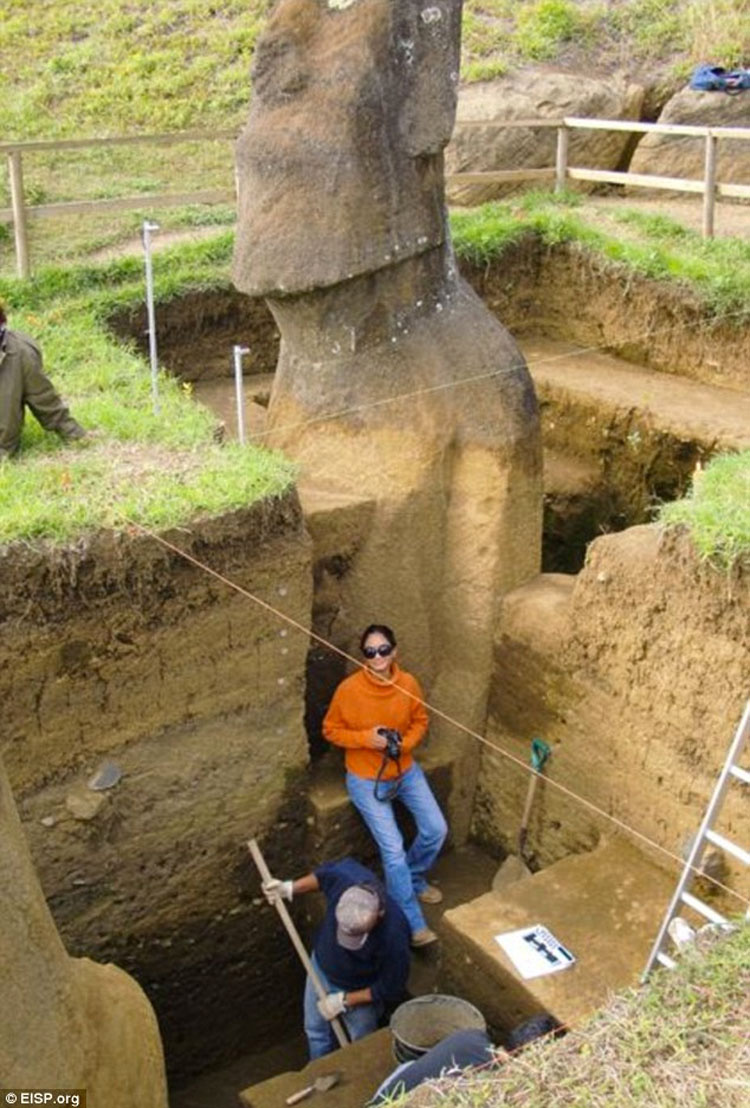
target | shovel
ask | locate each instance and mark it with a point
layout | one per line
(514, 867)
(321, 1084)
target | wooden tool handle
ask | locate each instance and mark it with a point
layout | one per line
(299, 946)
(295, 1098)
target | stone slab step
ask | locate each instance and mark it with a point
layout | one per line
(715, 416)
(336, 826)
(605, 906)
(363, 1066)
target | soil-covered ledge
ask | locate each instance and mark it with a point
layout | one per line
(570, 291)
(635, 672)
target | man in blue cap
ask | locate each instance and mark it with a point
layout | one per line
(360, 952)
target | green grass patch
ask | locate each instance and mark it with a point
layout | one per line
(717, 510)
(544, 26)
(716, 270)
(159, 468)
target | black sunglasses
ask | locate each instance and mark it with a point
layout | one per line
(383, 650)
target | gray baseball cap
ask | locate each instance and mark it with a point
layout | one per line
(357, 912)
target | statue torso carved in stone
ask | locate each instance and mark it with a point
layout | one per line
(395, 386)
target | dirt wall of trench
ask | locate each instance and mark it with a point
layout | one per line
(562, 291)
(119, 651)
(566, 291)
(635, 673)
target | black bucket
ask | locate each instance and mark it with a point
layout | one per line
(419, 1024)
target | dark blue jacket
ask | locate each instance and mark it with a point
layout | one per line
(382, 964)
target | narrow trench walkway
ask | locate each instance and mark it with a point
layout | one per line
(462, 874)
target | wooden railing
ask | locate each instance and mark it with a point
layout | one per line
(19, 211)
(707, 186)
(562, 172)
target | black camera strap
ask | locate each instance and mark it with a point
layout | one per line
(390, 785)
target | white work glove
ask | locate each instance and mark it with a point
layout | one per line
(275, 890)
(331, 1006)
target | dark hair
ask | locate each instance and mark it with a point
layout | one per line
(379, 629)
(3, 316)
(534, 1028)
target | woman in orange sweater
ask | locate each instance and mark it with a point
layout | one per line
(377, 715)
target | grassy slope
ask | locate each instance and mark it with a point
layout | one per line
(155, 468)
(680, 1042)
(78, 69)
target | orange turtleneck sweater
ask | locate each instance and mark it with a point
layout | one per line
(362, 702)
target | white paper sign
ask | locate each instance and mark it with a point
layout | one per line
(535, 951)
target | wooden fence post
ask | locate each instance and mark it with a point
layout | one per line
(709, 186)
(561, 158)
(15, 172)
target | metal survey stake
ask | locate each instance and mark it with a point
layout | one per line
(286, 919)
(148, 227)
(238, 352)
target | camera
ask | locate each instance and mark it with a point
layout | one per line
(392, 741)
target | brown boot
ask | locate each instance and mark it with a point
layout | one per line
(430, 894)
(423, 937)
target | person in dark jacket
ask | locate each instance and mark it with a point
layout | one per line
(23, 384)
(360, 952)
(464, 1050)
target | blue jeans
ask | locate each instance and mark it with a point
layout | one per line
(405, 871)
(359, 1021)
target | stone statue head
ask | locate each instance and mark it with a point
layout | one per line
(340, 164)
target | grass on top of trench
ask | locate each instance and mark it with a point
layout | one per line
(107, 383)
(680, 1041)
(717, 510)
(716, 270)
(158, 468)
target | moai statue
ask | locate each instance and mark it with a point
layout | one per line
(66, 1023)
(395, 385)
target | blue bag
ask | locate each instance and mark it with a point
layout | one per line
(714, 78)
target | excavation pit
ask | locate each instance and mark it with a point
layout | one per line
(637, 388)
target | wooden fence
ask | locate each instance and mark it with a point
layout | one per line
(707, 186)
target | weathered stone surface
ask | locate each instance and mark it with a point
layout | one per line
(394, 384)
(683, 155)
(340, 164)
(604, 906)
(536, 94)
(66, 1023)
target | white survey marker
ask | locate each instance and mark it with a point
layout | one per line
(535, 951)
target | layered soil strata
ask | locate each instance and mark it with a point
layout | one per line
(119, 651)
(635, 673)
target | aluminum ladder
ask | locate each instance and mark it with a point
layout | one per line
(706, 834)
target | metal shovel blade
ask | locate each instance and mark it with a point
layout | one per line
(514, 868)
(511, 870)
(321, 1084)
